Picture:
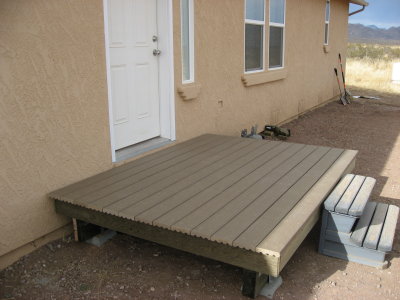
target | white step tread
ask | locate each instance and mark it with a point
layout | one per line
(376, 228)
(350, 195)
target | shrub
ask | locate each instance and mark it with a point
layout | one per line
(373, 52)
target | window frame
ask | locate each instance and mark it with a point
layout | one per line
(281, 25)
(190, 42)
(327, 22)
(254, 22)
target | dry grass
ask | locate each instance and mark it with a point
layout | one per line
(373, 74)
(370, 66)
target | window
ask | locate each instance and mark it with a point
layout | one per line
(276, 33)
(254, 35)
(327, 18)
(187, 40)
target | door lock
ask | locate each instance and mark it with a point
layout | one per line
(156, 52)
(155, 38)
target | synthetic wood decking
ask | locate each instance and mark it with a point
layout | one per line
(244, 198)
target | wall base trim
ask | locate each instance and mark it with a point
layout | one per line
(335, 98)
(10, 257)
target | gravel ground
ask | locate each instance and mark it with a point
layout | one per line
(130, 268)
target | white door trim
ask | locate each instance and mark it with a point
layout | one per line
(166, 72)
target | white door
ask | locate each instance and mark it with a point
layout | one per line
(132, 36)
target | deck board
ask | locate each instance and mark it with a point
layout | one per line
(258, 230)
(262, 196)
(389, 228)
(124, 198)
(358, 205)
(334, 197)
(158, 212)
(361, 229)
(164, 177)
(193, 211)
(349, 195)
(290, 232)
(241, 221)
(203, 212)
(134, 175)
(154, 158)
(199, 181)
(210, 185)
(219, 218)
(374, 231)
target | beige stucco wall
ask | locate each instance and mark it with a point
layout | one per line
(53, 109)
(54, 127)
(219, 65)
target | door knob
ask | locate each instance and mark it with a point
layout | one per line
(156, 52)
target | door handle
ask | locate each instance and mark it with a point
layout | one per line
(156, 52)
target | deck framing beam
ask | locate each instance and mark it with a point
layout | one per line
(258, 262)
(84, 231)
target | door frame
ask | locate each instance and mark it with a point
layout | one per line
(165, 71)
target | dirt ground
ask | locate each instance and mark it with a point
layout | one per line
(129, 268)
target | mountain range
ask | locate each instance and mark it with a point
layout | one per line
(359, 33)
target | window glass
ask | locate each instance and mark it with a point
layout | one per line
(254, 35)
(255, 10)
(185, 40)
(254, 47)
(326, 33)
(327, 18)
(327, 11)
(277, 11)
(276, 33)
(275, 47)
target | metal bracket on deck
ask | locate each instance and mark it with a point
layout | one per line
(270, 288)
(255, 283)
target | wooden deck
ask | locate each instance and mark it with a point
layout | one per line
(242, 199)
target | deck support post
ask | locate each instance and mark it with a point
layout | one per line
(255, 283)
(84, 231)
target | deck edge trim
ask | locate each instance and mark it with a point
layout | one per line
(343, 164)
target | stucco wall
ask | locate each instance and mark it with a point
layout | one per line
(54, 126)
(53, 109)
(219, 65)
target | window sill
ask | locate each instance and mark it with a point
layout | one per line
(327, 48)
(263, 77)
(189, 91)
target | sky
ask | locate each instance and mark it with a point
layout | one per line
(382, 13)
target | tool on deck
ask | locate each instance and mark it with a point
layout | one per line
(347, 95)
(344, 102)
(253, 133)
(280, 132)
